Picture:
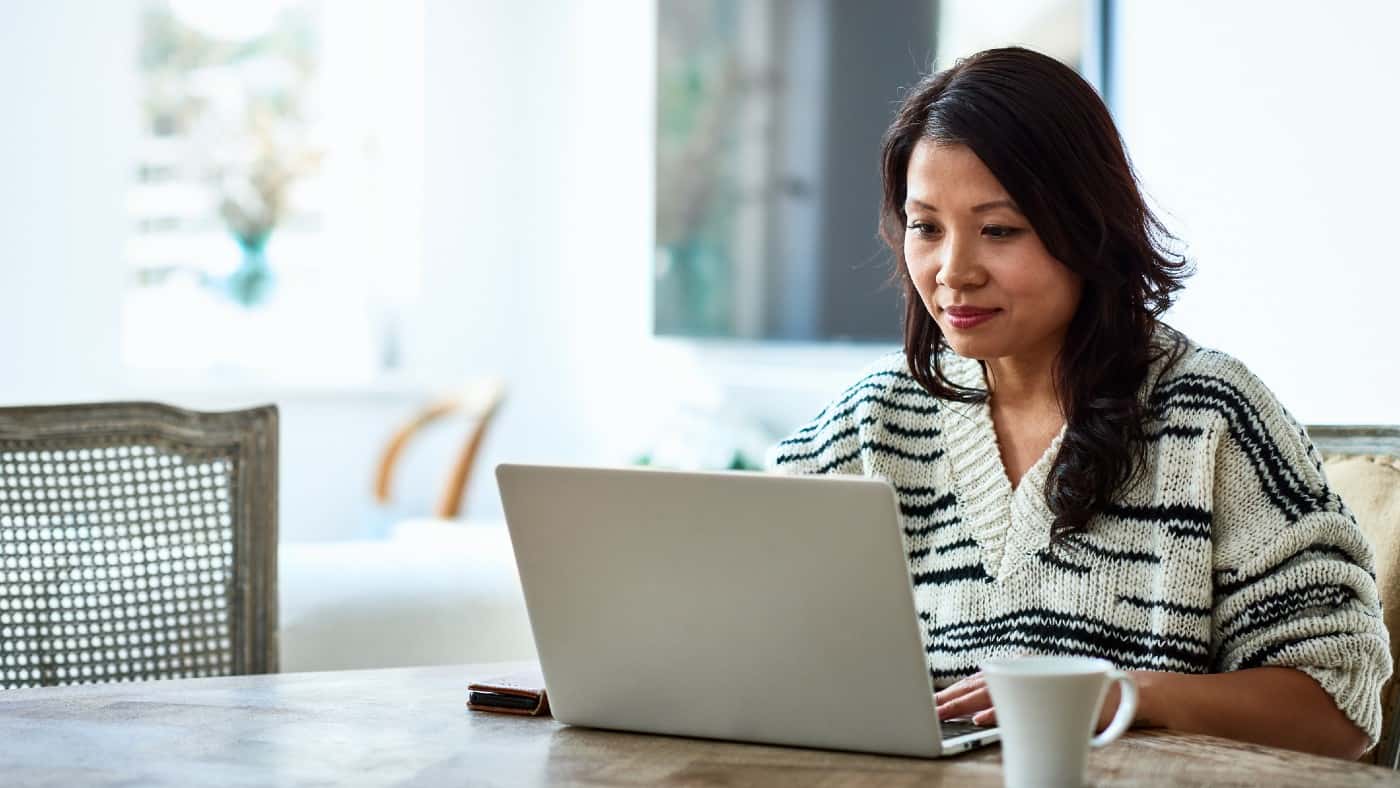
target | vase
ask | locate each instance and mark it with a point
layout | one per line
(251, 283)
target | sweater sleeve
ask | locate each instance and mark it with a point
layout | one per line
(1294, 576)
(831, 441)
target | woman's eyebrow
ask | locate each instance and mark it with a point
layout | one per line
(979, 208)
(987, 206)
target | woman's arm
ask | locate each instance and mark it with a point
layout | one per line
(1278, 707)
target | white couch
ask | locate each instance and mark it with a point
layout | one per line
(434, 593)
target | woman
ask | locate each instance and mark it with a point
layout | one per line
(1075, 476)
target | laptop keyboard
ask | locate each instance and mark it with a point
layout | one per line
(954, 728)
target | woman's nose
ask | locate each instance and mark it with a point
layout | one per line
(958, 267)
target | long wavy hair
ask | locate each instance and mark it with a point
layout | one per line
(1046, 135)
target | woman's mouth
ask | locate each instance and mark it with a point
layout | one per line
(964, 317)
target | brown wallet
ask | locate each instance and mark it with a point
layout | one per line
(517, 693)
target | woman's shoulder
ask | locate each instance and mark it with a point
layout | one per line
(884, 383)
(1188, 365)
(1211, 382)
(890, 365)
(888, 375)
(831, 442)
(888, 383)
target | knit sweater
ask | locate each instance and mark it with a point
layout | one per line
(1227, 552)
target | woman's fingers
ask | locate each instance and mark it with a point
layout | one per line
(960, 688)
(966, 698)
(967, 704)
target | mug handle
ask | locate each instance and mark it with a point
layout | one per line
(1127, 707)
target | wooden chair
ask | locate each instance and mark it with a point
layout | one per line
(478, 402)
(1363, 467)
(137, 541)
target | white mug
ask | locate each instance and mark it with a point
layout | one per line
(1046, 709)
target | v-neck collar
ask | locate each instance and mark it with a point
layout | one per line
(1009, 524)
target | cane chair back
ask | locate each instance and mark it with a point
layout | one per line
(137, 541)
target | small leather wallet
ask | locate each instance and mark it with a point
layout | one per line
(517, 693)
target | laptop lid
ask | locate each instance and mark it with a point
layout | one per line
(724, 605)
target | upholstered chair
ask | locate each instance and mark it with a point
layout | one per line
(1363, 467)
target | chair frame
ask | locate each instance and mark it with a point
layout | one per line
(479, 402)
(253, 435)
(1355, 440)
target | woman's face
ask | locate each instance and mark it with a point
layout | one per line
(979, 267)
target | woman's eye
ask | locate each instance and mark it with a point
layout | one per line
(923, 228)
(997, 231)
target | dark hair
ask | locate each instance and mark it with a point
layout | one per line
(1047, 137)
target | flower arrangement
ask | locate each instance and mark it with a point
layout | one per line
(252, 192)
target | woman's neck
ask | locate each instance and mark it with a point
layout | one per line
(1023, 384)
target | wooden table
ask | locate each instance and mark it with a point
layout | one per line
(411, 726)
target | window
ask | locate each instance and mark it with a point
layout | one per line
(276, 198)
(769, 119)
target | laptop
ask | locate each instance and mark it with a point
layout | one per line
(726, 605)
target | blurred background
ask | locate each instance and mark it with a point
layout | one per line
(653, 221)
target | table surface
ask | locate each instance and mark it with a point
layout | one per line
(411, 726)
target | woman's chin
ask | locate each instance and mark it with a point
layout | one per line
(970, 347)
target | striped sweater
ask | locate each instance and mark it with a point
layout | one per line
(1228, 552)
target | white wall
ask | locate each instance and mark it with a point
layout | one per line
(68, 128)
(516, 277)
(1269, 135)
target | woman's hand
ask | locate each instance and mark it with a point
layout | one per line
(971, 698)
(966, 698)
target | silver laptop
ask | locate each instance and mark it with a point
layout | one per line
(738, 606)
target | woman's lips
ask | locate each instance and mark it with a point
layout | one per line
(962, 317)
